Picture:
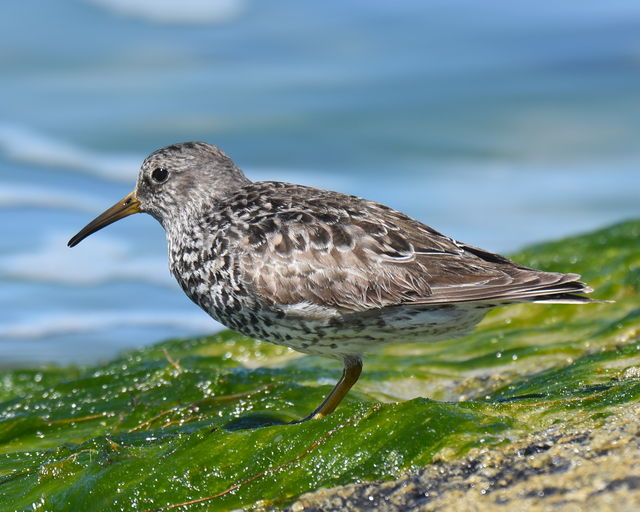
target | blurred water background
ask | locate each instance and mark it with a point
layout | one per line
(500, 123)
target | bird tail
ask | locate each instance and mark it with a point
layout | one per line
(568, 291)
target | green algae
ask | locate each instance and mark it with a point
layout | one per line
(200, 424)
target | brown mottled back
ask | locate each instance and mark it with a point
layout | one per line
(344, 252)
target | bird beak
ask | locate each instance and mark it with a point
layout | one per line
(127, 206)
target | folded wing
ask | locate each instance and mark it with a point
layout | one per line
(351, 254)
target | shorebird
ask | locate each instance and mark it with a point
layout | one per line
(320, 272)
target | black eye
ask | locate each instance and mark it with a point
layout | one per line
(159, 175)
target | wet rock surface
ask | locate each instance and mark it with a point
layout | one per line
(595, 466)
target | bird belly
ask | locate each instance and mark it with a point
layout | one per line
(340, 336)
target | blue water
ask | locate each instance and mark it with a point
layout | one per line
(500, 123)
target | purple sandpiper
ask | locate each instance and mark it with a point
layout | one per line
(318, 271)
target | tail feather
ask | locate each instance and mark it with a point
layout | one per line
(567, 298)
(568, 290)
(527, 285)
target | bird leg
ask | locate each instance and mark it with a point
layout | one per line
(350, 374)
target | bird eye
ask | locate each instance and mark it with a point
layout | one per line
(159, 175)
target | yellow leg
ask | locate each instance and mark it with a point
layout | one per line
(350, 374)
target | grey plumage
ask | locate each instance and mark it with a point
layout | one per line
(319, 271)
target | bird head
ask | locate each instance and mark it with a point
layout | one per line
(173, 180)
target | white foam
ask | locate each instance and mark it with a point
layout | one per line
(101, 261)
(26, 145)
(17, 196)
(23, 144)
(78, 322)
(174, 11)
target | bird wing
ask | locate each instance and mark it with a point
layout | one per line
(327, 249)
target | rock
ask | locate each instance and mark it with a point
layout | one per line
(595, 466)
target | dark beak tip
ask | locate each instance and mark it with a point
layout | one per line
(74, 240)
(81, 235)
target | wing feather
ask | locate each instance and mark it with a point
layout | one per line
(350, 254)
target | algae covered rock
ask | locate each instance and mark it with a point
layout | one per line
(200, 424)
